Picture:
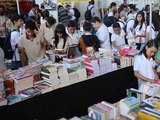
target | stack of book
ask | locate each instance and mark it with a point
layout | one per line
(102, 111)
(72, 63)
(150, 109)
(14, 99)
(82, 74)
(73, 77)
(63, 76)
(92, 67)
(109, 65)
(103, 65)
(22, 82)
(43, 86)
(2, 91)
(49, 74)
(128, 105)
(3, 101)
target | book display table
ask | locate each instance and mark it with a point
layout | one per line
(73, 100)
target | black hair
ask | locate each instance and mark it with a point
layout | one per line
(112, 4)
(131, 6)
(45, 14)
(115, 25)
(35, 5)
(149, 44)
(60, 28)
(95, 19)
(155, 20)
(30, 24)
(68, 5)
(143, 20)
(42, 6)
(33, 18)
(60, 6)
(51, 20)
(87, 26)
(147, 8)
(91, 2)
(71, 23)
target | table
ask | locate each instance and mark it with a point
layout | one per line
(73, 100)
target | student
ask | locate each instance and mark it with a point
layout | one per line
(88, 40)
(32, 42)
(48, 30)
(144, 65)
(17, 21)
(140, 30)
(113, 8)
(92, 8)
(102, 32)
(72, 32)
(62, 40)
(117, 38)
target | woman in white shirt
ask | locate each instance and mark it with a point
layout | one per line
(62, 40)
(140, 30)
(144, 65)
(154, 27)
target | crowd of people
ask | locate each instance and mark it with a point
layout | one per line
(32, 35)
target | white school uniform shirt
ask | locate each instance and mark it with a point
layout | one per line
(110, 13)
(153, 32)
(140, 32)
(74, 37)
(145, 67)
(72, 14)
(130, 24)
(94, 11)
(103, 35)
(14, 40)
(119, 39)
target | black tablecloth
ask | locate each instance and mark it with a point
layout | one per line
(72, 100)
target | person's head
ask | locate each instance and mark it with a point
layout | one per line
(91, 2)
(71, 27)
(140, 19)
(68, 7)
(17, 20)
(96, 22)
(131, 8)
(147, 8)
(35, 7)
(45, 14)
(30, 28)
(117, 28)
(60, 31)
(60, 7)
(33, 18)
(50, 22)
(150, 49)
(116, 14)
(113, 6)
(87, 27)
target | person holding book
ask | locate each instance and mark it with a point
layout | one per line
(144, 65)
(62, 40)
(32, 42)
(117, 38)
(88, 40)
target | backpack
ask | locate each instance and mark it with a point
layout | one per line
(77, 14)
(108, 21)
(87, 14)
(125, 27)
(8, 52)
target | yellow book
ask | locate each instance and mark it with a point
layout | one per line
(144, 116)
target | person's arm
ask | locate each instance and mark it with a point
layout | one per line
(116, 46)
(138, 75)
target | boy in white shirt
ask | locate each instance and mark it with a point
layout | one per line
(17, 21)
(117, 38)
(72, 32)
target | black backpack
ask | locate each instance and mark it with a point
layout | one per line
(108, 21)
(77, 14)
(8, 52)
(87, 14)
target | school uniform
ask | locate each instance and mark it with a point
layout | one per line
(16, 56)
(153, 32)
(145, 67)
(140, 41)
(74, 37)
(103, 35)
(48, 32)
(119, 39)
(61, 43)
(32, 48)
